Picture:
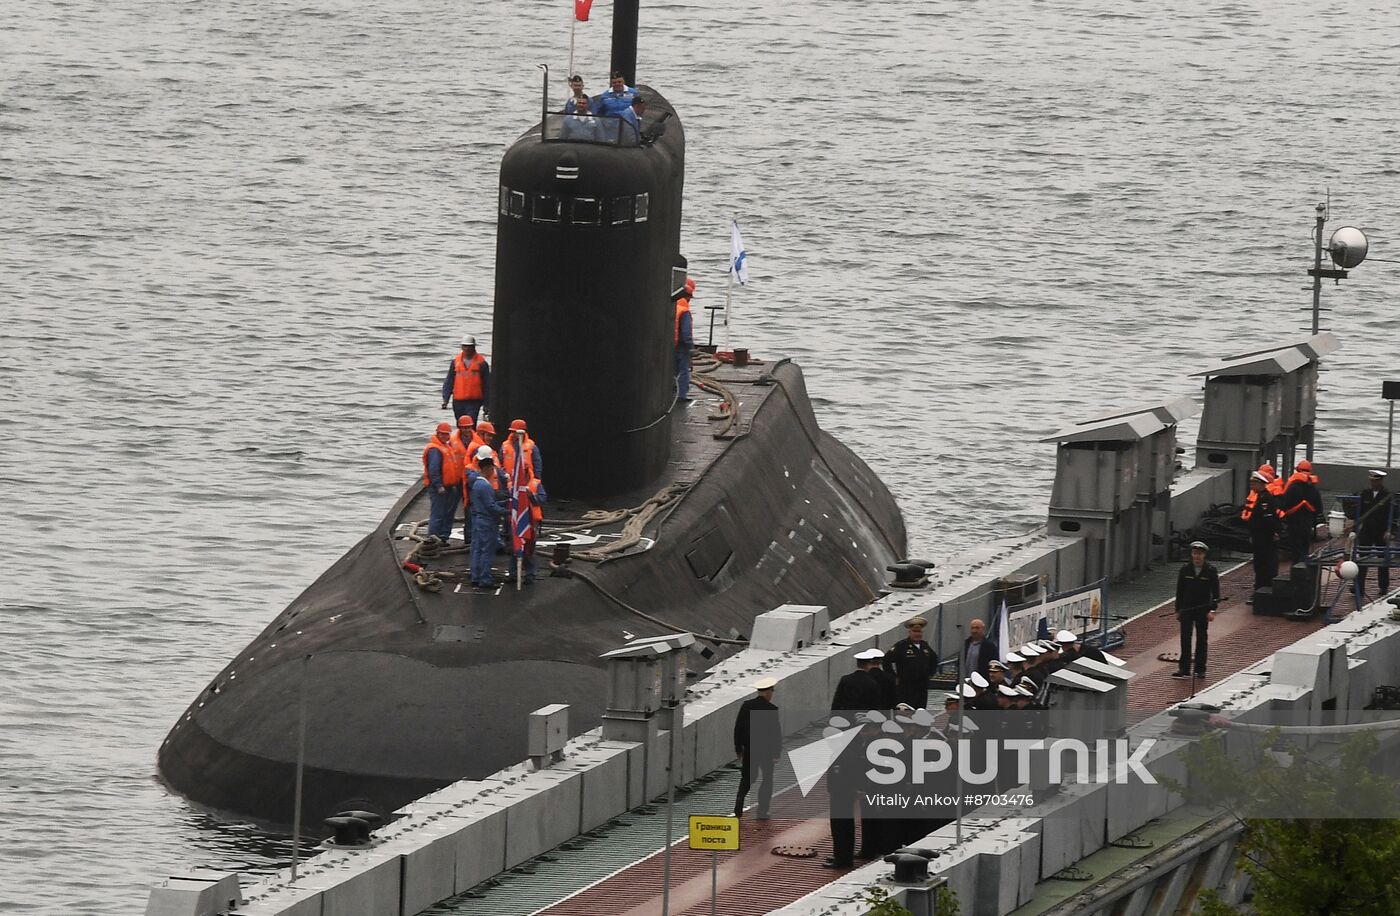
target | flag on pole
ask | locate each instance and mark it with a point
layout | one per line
(738, 257)
(581, 8)
(1001, 632)
(1042, 626)
(521, 530)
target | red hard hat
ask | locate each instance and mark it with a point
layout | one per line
(485, 427)
(517, 425)
(445, 428)
(1305, 465)
(465, 421)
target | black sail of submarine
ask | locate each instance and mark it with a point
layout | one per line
(406, 690)
(582, 334)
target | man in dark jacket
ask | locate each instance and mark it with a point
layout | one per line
(911, 661)
(978, 650)
(1258, 515)
(889, 698)
(860, 691)
(1197, 597)
(758, 742)
(1373, 524)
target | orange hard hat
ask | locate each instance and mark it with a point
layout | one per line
(444, 428)
(517, 426)
(1267, 470)
(485, 427)
(1305, 465)
(465, 421)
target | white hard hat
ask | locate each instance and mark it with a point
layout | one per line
(484, 452)
(468, 341)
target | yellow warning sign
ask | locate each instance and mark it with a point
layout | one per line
(714, 832)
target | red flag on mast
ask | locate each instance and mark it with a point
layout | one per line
(581, 8)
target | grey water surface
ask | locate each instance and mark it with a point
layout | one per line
(239, 239)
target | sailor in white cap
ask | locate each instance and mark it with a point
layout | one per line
(468, 381)
(1373, 524)
(758, 743)
(996, 672)
(884, 676)
(1005, 696)
(1197, 597)
(1260, 518)
(860, 690)
(983, 698)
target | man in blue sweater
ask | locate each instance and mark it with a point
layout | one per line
(485, 514)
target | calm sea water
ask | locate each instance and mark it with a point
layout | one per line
(239, 240)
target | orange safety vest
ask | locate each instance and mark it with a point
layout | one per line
(508, 457)
(1299, 477)
(1276, 486)
(1247, 512)
(466, 378)
(682, 308)
(461, 452)
(451, 470)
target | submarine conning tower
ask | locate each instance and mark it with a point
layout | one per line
(587, 242)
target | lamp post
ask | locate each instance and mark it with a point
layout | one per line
(1347, 248)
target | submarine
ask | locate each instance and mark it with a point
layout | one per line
(390, 676)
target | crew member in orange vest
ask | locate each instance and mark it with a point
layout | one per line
(461, 447)
(684, 341)
(468, 382)
(462, 439)
(485, 435)
(442, 475)
(1272, 482)
(1261, 518)
(520, 441)
(1301, 504)
(531, 469)
(538, 497)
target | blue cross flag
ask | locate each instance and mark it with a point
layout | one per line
(738, 257)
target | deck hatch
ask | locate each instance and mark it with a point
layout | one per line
(453, 633)
(708, 554)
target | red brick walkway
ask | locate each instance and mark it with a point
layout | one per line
(754, 881)
(1238, 638)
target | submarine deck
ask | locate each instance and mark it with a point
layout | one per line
(700, 433)
(624, 861)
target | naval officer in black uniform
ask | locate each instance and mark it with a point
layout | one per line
(911, 661)
(860, 691)
(758, 742)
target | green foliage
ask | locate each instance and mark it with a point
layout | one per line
(882, 904)
(1322, 837)
(1211, 904)
(945, 902)
(1265, 778)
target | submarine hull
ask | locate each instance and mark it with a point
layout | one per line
(406, 690)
